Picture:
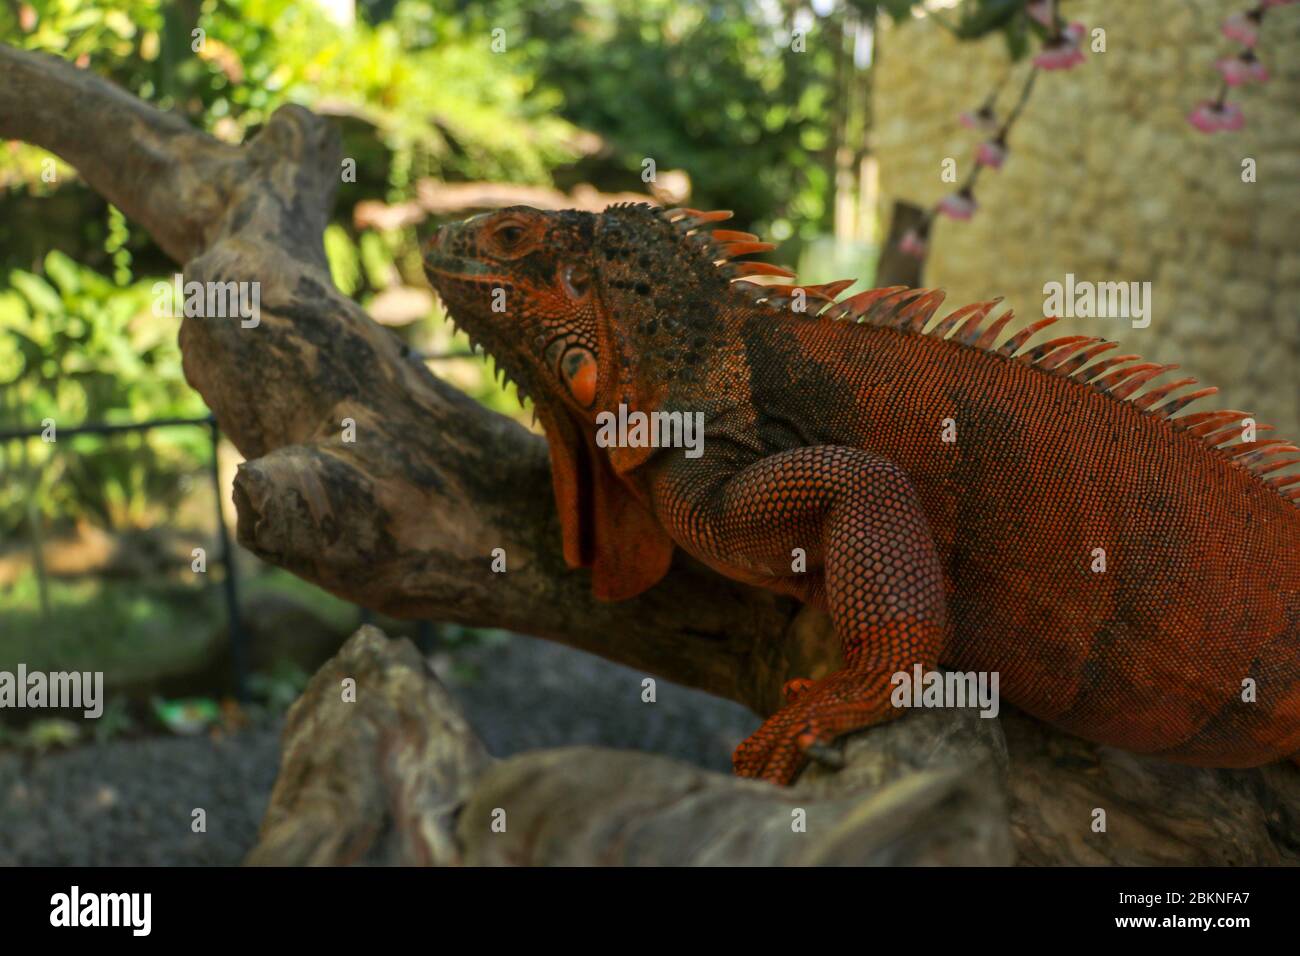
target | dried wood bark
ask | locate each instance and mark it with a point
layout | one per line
(398, 776)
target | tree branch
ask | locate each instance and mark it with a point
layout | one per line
(162, 173)
(397, 776)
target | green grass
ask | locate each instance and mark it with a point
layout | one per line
(136, 631)
(127, 629)
(337, 612)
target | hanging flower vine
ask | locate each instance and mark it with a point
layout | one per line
(1218, 115)
(1061, 50)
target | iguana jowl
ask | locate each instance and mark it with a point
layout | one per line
(824, 431)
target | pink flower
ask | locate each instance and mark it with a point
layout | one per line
(959, 205)
(1245, 68)
(913, 244)
(1242, 27)
(1212, 117)
(1058, 56)
(1062, 53)
(1041, 10)
(992, 153)
(982, 120)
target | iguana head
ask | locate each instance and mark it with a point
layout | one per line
(584, 312)
(587, 312)
(519, 282)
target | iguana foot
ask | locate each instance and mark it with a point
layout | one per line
(808, 726)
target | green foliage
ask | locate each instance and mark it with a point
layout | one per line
(276, 690)
(440, 101)
(109, 32)
(714, 89)
(75, 347)
(345, 262)
(418, 95)
(53, 733)
(338, 615)
(978, 18)
(116, 245)
(115, 721)
(132, 631)
(420, 92)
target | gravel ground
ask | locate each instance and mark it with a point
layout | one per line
(130, 801)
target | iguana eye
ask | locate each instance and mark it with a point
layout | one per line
(510, 235)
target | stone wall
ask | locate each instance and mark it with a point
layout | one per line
(1108, 181)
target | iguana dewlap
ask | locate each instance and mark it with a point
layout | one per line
(950, 486)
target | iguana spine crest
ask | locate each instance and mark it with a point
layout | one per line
(912, 310)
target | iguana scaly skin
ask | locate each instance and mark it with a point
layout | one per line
(824, 431)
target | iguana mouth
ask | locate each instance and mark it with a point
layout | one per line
(450, 275)
(453, 267)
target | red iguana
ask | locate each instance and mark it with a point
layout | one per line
(823, 431)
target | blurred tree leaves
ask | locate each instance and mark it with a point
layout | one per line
(75, 345)
(717, 88)
(712, 88)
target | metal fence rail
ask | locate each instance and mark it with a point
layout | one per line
(230, 583)
(424, 636)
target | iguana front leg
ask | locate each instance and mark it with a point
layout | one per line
(871, 562)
